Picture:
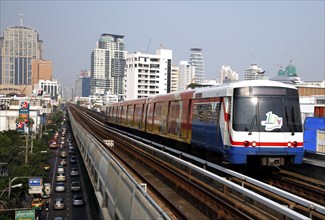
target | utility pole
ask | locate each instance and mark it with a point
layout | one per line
(26, 156)
(27, 140)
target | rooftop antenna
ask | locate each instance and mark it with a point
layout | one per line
(148, 46)
(21, 19)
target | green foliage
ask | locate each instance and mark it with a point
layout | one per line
(193, 85)
(57, 117)
(10, 142)
(12, 151)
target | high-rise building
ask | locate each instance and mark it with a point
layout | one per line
(82, 86)
(19, 46)
(41, 69)
(174, 79)
(108, 65)
(148, 74)
(196, 60)
(254, 72)
(227, 75)
(185, 75)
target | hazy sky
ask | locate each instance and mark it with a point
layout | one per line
(236, 33)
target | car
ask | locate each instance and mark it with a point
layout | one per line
(53, 146)
(60, 177)
(60, 169)
(63, 154)
(58, 203)
(75, 186)
(46, 166)
(77, 200)
(71, 147)
(73, 159)
(74, 171)
(63, 162)
(60, 187)
(37, 203)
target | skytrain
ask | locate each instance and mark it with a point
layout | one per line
(254, 122)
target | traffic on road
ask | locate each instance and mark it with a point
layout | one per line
(63, 196)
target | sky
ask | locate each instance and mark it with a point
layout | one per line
(236, 33)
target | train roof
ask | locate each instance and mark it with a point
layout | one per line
(227, 89)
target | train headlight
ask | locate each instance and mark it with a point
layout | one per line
(254, 144)
(289, 144)
(246, 143)
(295, 144)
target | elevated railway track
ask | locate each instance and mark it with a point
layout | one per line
(186, 191)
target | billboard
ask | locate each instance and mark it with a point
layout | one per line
(35, 185)
(25, 215)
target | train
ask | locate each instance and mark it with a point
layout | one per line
(255, 122)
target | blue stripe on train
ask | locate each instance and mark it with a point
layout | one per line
(238, 155)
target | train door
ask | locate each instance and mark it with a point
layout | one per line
(204, 123)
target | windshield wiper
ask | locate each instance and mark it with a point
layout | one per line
(289, 122)
(251, 126)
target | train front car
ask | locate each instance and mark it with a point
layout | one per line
(265, 125)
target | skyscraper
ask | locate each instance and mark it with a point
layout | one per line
(196, 60)
(107, 65)
(19, 46)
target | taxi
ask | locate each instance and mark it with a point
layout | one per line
(37, 203)
(46, 166)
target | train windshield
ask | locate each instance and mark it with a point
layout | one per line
(272, 112)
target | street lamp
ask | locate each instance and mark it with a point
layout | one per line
(14, 186)
(10, 183)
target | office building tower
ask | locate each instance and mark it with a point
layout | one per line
(19, 46)
(148, 74)
(196, 60)
(82, 87)
(108, 65)
(41, 69)
(186, 74)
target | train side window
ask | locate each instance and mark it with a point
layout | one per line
(175, 116)
(160, 118)
(206, 112)
(114, 114)
(123, 114)
(138, 116)
(130, 115)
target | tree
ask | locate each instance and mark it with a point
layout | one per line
(193, 85)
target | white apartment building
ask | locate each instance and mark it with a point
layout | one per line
(254, 72)
(227, 75)
(100, 82)
(186, 74)
(49, 87)
(174, 79)
(147, 75)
